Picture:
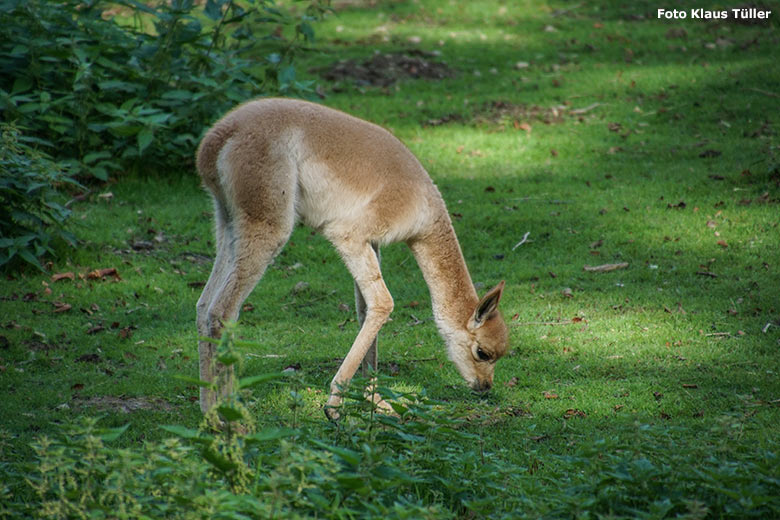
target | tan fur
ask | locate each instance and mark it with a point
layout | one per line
(271, 162)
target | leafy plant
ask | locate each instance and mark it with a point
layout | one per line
(424, 462)
(31, 216)
(104, 97)
(109, 97)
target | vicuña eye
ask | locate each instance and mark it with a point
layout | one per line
(484, 356)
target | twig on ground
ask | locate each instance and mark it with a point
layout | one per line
(604, 268)
(584, 110)
(523, 241)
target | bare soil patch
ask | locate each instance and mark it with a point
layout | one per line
(382, 70)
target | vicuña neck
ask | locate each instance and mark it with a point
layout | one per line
(441, 261)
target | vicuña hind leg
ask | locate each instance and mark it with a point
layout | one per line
(219, 272)
(247, 248)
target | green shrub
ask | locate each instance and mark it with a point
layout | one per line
(109, 98)
(418, 465)
(31, 216)
(103, 98)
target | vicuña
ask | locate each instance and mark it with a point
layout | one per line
(271, 162)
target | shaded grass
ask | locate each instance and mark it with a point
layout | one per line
(657, 345)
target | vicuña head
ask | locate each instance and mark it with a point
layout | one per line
(272, 162)
(484, 343)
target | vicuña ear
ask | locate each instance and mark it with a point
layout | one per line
(487, 306)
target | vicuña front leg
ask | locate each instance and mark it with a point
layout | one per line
(371, 360)
(362, 262)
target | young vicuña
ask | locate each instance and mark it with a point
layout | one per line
(271, 162)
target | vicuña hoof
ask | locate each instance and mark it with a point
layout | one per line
(332, 413)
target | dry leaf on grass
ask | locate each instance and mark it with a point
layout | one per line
(63, 276)
(99, 274)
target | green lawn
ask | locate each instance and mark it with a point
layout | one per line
(605, 134)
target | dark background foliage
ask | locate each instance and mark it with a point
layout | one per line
(107, 88)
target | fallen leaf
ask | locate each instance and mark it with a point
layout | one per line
(511, 383)
(63, 276)
(571, 412)
(690, 385)
(95, 329)
(550, 395)
(77, 386)
(62, 307)
(99, 274)
(723, 244)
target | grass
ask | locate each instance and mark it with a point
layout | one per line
(672, 167)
